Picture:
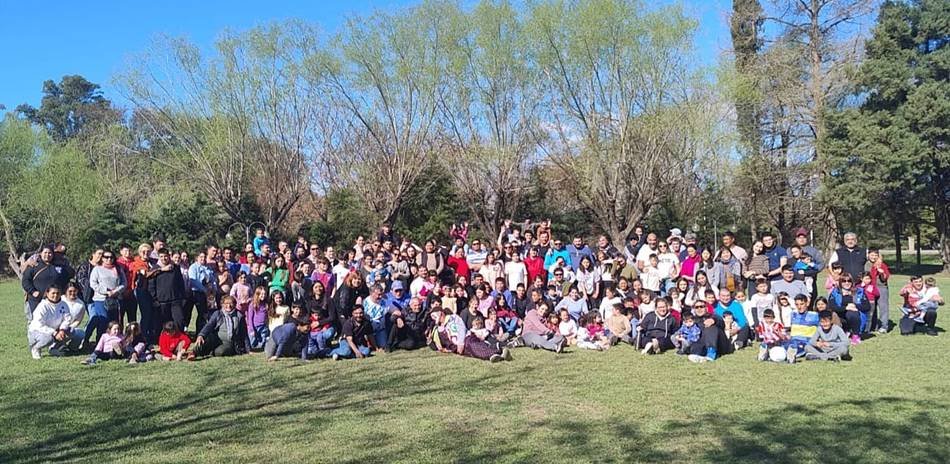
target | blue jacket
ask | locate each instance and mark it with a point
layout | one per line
(552, 257)
(576, 254)
(860, 300)
(690, 333)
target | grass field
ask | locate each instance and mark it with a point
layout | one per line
(891, 404)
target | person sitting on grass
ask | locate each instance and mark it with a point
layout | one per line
(851, 305)
(50, 326)
(173, 344)
(728, 304)
(567, 327)
(536, 333)
(619, 327)
(409, 327)
(829, 342)
(772, 335)
(288, 340)
(357, 340)
(712, 341)
(448, 331)
(921, 300)
(110, 346)
(804, 326)
(225, 333)
(136, 348)
(587, 338)
(479, 344)
(657, 329)
(687, 334)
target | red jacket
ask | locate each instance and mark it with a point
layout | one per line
(460, 266)
(535, 268)
(167, 343)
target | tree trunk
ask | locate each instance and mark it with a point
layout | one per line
(15, 259)
(942, 217)
(897, 244)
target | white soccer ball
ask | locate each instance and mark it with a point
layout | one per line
(777, 354)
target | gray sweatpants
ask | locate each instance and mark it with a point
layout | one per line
(40, 340)
(883, 308)
(826, 354)
(540, 341)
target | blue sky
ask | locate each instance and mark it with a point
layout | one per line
(49, 39)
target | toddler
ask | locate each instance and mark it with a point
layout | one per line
(686, 335)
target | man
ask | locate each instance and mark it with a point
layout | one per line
(625, 270)
(203, 283)
(167, 289)
(727, 303)
(44, 274)
(536, 334)
(920, 307)
(158, 242)
(651, 248)
(851, 257)
(230, 260)
(801, 239)
(880, 274)
(408, 329)
(577, 250)
(729, 242)
(789, 285)
(777, 255)
(633, 245)
(544, 242)
(286, 339)
(357, 340)
(127, 302)
(430, 258)
(225, 334)
(556, 251)
(315, 255)
(476, 255)
(386, 233)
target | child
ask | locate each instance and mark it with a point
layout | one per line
(241, 292)
(686, 335)
(803, 328)
(567, 327)
(870, 290)
(784, 309)
(595, 329)
(647, 305)
(805, 269)
(173, 344)
(286, 340)
(619, 327)
(481, 345)
(276, 311)
(136, 350)
(761, 300)
(651, 275)
(554, 323)
(834, 275)
(110, 345)
(829, 342)
(772, 334)
(731, 328)
(256, 317)
(379, 275)
(260, 239)
(584, 338)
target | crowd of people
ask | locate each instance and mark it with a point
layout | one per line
(469, 297)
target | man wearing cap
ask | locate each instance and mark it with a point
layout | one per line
(801, 239)
(851, 257)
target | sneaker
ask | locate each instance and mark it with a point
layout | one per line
(648, 349)
(506, 353)
(791, 359)
(494, 358)
(737, 346)
(696, 358)
(656, 346)
(335, 357)
(855, 339)
(134, 358)
(836, 359)
(58, 352)
(763, 353)
(35, 352)
(811, 357)
(88, 361)
(932, 332)
(560, 347)
(882, 330)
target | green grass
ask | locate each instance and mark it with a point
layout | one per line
(891, 404)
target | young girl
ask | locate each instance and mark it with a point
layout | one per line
(834, 274)
(646, 305)
(173, 344)
(276, 311)
(584, 338)
(784, 309)
(607, 304)
(241, 292)
(279, 277)
(507, 318)
(77, 310)
(256, 318)
(136, 350)
(110, 345)
(567, 327)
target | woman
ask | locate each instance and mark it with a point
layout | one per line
(726, 273)
(107, 282)
(535, 265)
(358, 247)
(348, 296)
(698, 292)
(83, 273)
(77, 312)
(682, 290)
(491, 268)
(706, 262)
(50, 325)
(851, 305)
(279, 276)
(588, 281)
(484, 300)
(690, 264)
(756, 267)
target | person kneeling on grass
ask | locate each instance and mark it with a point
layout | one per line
(288, 340)
(358, 338)
(110, 346)
(774, 340)
(225, 333)
(829, 342)
(50, 326)
(921, 300)
(657, 329)
(173, 344)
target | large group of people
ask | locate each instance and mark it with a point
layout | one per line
(470, 297)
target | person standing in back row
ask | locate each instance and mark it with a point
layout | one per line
(44, 274)
(851, 257)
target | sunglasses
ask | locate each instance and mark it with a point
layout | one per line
(107, 256)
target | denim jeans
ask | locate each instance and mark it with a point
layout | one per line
(149, 321)
(510, 324)
(344, 350)
(259, 336)
(380, 335)
(317, 344)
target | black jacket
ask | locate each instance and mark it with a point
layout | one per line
(653, 327)
(40, 276)
(167, 286)
(238, 338)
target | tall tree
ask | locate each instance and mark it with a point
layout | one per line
(626, 118)
(69, 107)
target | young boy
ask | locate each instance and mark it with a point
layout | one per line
(651, 275)
(731, 328)
(260, 239)
(803, 328)
(618, 326)
(805, 269)
(829, 342)
(686, 335)
(772, 335)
